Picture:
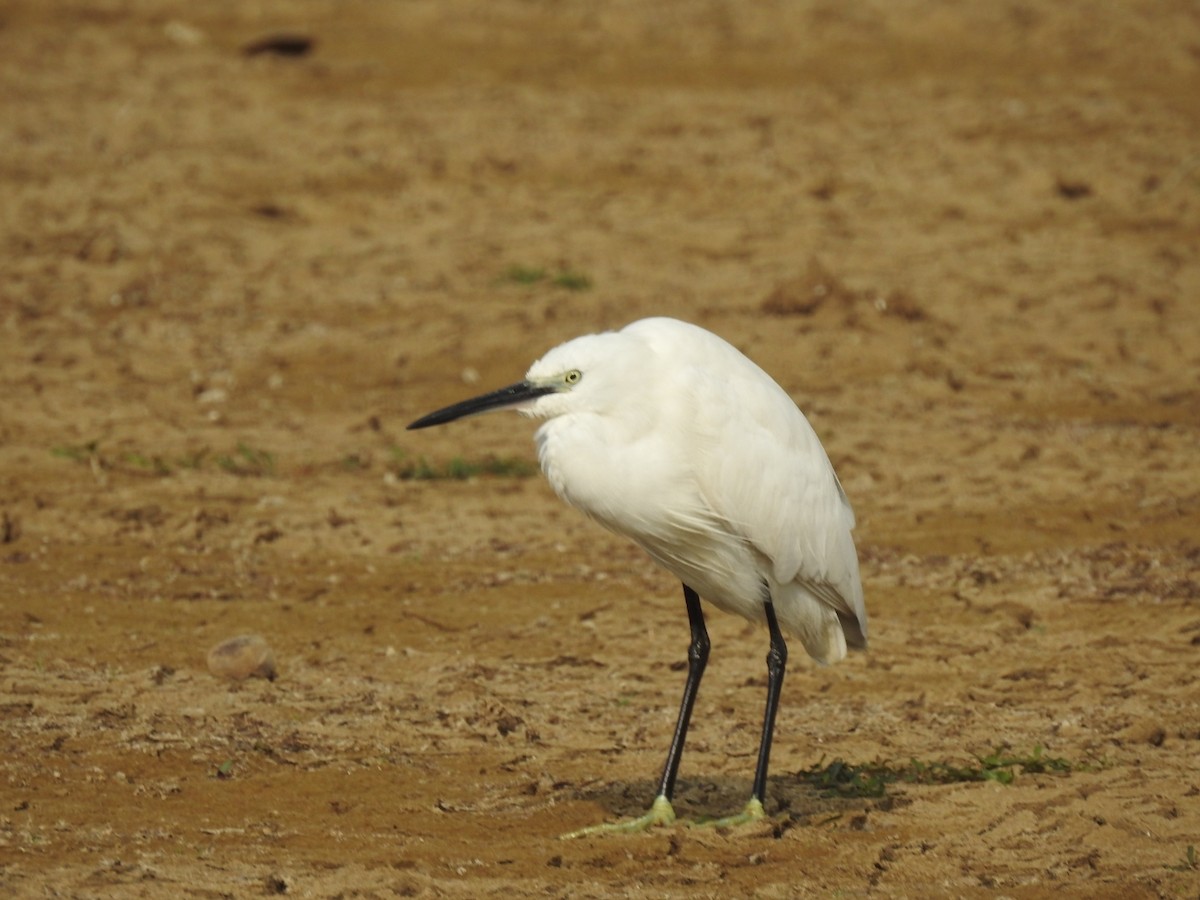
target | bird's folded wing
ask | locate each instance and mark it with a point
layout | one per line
(762, 469)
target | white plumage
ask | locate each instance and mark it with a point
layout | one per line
(675, 439)
(665, 433)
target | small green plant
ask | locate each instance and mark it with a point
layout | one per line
(76, 452)
(1191, 862)
(840, 778)
(524, 275)
(419, 470)
(130, 460)
(155, 464)
(459, 469)
(1002, 767)
(246, 460)
(564, 278)
(572, 281)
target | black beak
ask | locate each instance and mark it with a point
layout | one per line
(512, 395)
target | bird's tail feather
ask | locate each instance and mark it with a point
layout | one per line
(823, 631)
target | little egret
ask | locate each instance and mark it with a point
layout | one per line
(668, 435)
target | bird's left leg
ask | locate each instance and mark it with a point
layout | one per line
(661, 812)
(776, 664)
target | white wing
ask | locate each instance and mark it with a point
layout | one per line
(760, 466)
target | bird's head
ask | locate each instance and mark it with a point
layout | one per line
(584, 374)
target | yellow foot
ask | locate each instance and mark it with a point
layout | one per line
(660, 813)
(752, 813)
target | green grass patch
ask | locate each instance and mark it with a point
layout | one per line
(193, 460)
(76, 452)
(566, 279)
(572, 281)
(1191, 862)
(840, 778)
(154, 464)
(244, 460)
(458, 468)
(247, 461)
(524, 275)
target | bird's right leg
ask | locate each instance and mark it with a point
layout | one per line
(661, 812)
(776, 664)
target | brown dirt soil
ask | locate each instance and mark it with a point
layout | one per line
(965, 238)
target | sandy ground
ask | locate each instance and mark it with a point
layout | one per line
(966, 238)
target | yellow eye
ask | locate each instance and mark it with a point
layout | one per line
(573, 376)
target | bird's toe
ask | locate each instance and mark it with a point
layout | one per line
(661, 813)
(753, 812)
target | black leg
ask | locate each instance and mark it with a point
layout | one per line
(776, 663)
(697, 660)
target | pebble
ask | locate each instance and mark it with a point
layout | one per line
(241, 657)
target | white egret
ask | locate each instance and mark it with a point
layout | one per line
(666, 434)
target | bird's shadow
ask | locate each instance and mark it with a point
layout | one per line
(791, 797)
